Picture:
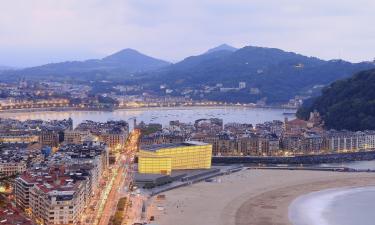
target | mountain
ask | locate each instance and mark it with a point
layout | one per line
(4, 68)
(223, 47)
(133, 61)
(270, 74)
(122, 63)
(346, 104)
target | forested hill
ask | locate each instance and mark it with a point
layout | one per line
(270, 75)
(276, 75)
(346, 104)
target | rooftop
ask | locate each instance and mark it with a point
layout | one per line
(172, 145)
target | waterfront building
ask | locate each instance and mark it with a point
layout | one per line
(225, 147)
(268, 145)
(21, 138)
(312, 143)
(292, 143)
(343, 141)
(369, 142)
(248, 145)
(163, 159)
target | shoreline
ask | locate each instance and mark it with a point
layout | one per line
(273, 207)
(250, 197)
(71, 109)
(318, 208)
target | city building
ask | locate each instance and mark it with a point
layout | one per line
(59, 202)
(53, 195)
(49, 138)
(11, 168)
(162, 159)
(242, 85)
(114, 139)
(74, 136)
(16, 158)
(22, 138)
(112, 133)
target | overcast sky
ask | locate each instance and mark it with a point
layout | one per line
(34, 32)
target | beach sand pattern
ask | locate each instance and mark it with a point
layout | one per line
(250, 197)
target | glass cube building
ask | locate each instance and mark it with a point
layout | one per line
(164, 158)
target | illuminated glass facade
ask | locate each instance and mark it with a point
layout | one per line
(162, 159)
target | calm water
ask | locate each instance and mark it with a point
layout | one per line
(336, 206)
(359, 165)
(162, 115)
(352, 206)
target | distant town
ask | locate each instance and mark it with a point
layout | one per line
(104, 95)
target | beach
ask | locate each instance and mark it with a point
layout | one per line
(248, 197)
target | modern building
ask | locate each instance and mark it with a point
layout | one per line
(162, 159)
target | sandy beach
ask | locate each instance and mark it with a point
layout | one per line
(249, 197)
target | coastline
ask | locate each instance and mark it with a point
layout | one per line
(334, 206)
(250, 197)
(69, 109)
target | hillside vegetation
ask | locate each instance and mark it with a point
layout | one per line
(346, 104)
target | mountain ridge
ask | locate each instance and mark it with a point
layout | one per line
(271, 75)
(126, 61)
(274, 74)
(222, 47)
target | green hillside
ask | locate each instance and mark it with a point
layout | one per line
(346, 104)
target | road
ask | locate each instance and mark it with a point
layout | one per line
(120, 181)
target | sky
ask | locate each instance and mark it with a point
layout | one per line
(34, 32)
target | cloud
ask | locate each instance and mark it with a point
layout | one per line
(41, 31)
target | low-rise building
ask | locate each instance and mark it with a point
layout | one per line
(12, 168)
